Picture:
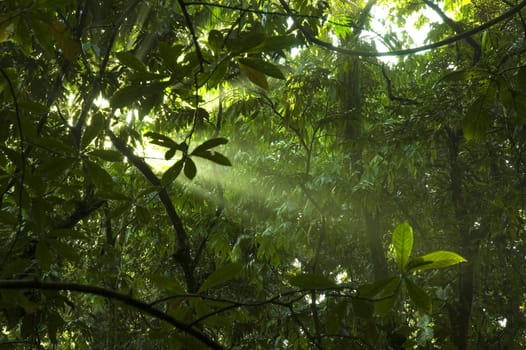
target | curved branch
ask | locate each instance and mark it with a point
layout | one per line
(462, 36)
(477, 50)
(183, 252)
(110, 294)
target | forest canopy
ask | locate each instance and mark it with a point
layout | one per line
(258, 174)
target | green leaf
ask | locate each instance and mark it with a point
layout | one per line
(476, 121)
(209, 144)
(190, 169)
(403, 244)
(215, 40)
(172, 173)
(221, 275)
(170, 153)
(255, 76)
(383, 293)
(262, 66)
(161, 140)
(217, 74)
(170, 284)
(169, 55)
(129, 60)
(466, 75)
(421, 299)
(244, 42)
(106, 154)
(435, 260)
(215, 157)
(98, 176)
(312, 281)
(127, 95)
(276, 43)
(93, 129)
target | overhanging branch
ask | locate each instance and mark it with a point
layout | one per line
(183, 252)
(462, 36)
(110, 294)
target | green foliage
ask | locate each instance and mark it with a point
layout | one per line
(197, 174)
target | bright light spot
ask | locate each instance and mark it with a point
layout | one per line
(503, 322)
(341, 277)
(101, 102)
(296, 263)
(382, 27)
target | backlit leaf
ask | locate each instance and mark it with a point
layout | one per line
(255, 76)
(403, 244)
(262, 66)
(435, 260)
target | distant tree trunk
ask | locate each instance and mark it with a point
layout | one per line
(460, 311)
(350, 92)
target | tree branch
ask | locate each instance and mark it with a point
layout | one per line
(477, 51)
(462, 36)
(183, 253)
(113, 295)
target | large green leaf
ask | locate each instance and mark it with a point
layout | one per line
(127, 95)
(161, 140)
(172, 172)
(383, 293)
(255, 76)
(403, 244)
(435, 260)
(311, 281)
(421, 299)
(215, 157)
(476, 121)
(262, 66)
(190, 170)
(93, 129)
(222, 275)
(209, 144)
(130, 60)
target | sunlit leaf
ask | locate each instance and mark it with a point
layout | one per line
(403, 244)
(435, 260)
(255, 76)
(262, 66)
(244, 42)
(64, 41)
